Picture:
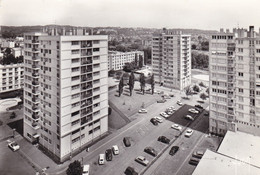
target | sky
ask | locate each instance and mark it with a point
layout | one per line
(196, 14)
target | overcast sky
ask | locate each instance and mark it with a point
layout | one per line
(199, 14)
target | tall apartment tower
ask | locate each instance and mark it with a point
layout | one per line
(171, 59)
(235, 97)
(66, 90)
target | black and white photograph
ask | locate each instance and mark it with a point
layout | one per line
(129, 87)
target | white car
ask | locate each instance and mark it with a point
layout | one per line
(85, 170)
(142, 160)
(142, 111)
(115, 150)
(101, 159)
(177, 127)
(164, 114)
(158, 119)
(188, 132)
(194, 111)
(169, 112)
(179, 103)
(14, 146)
(188, 117)
(171, 108)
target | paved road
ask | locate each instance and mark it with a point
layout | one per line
(142, 134)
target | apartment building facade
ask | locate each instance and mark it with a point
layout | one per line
(65, 93)
(235, 82)
(12, 76)
(117, 60)
(171, 59)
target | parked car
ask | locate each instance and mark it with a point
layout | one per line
(177, 127)
(188, 117)
(126, 141)
(171, 95)
(179, 103)
(206, 114)
(85, 170)
(188, 132)
(109, 154)
(171, 108)
(161, 101)
(163, 114)
(142, 111)
(169, 112)
(158, 119)
(115, 149)
(164, 139)
(173, 150)
(194, 111)
(130, 171)
(194, 161)
(198, 106)
(101, 159)
(150, 151)
(14, 146)
(198, 154)
(142, 160)
(154, 121)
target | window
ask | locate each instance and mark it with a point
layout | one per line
(240, 74)
(75, 52)
(75, 78)
(257, 50)
(240, 90)
(74, 43)
(240, 49)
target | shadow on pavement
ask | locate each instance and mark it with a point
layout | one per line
(18, 125)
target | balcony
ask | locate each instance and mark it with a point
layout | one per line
(34, 66)
(35, 42)
(83, 96)
(89, 78)
(230, 112)
(89, 86)
(35, 125)
(36, 116)
(35, 100)
(37, 92)
(35, 108)
(35, 83)
(35, 74)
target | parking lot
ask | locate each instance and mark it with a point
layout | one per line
(144, 134)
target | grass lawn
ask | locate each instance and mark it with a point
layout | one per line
(129, 105)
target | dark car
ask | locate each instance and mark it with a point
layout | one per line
(198, 106)
(198, 154)
(206, 114)
(109, 154)
(126, 141)
(150, 151)
(130, 171)
(164, 139)
(194, 161)
(154, 121)
(161, 101)
(173, 150)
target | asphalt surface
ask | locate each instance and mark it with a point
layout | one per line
(143, 133)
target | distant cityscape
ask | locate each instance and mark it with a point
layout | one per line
(112, 100)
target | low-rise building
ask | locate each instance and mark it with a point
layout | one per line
(11, 77)
(17, 51)
(238, 154)
(117, 60)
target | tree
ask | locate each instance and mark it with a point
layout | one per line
(121, 86)
(187, 91)
(131, 82)
(74, 168)
(140, 61)
(111, 72)
(203, 96)
(142, 82)
(207, 90)
(196, 88)
(152, 83)
(193, 46)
